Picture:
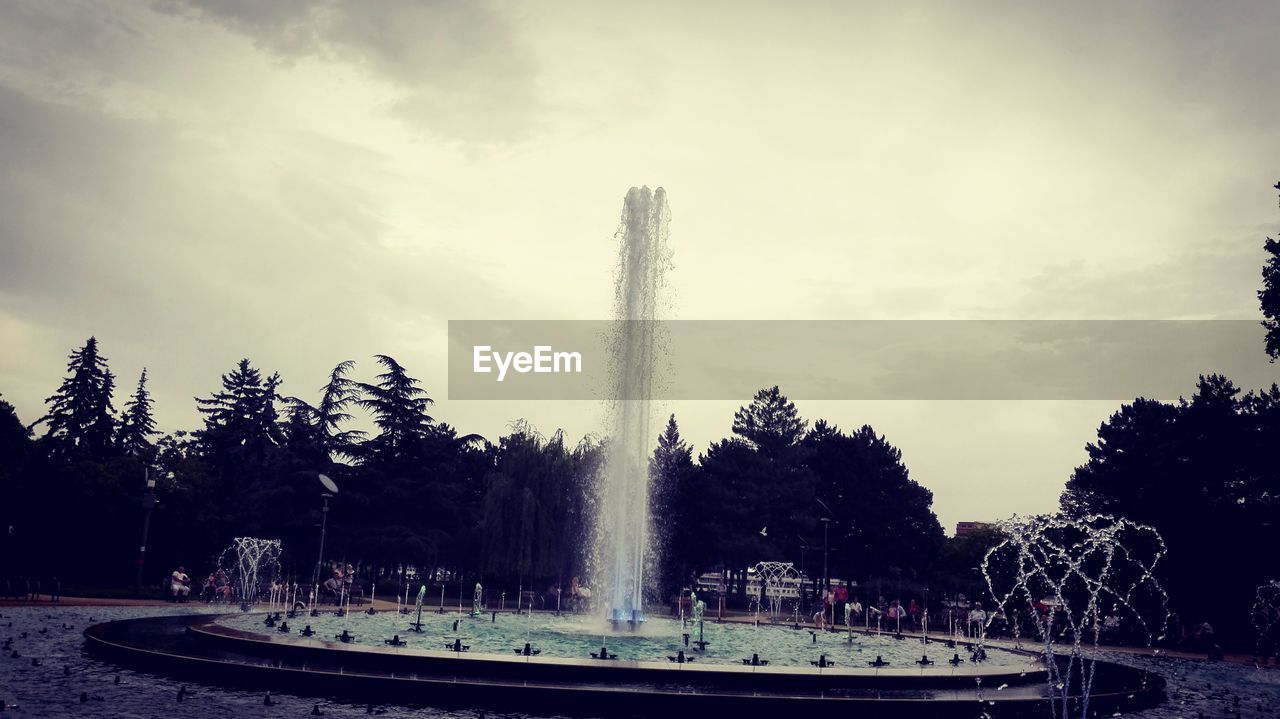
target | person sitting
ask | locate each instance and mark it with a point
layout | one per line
(221, 585)
(854, 611)
(179, 584)
(334, 586)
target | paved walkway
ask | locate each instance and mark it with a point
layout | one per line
(84, 602)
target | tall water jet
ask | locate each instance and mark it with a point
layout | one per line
(623, 521)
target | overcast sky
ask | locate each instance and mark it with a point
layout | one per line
(303, 182)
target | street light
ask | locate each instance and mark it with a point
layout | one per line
(330, 489)
(826, 526)
(826, 579)
(149, 503)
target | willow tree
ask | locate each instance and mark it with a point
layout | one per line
(533, 524)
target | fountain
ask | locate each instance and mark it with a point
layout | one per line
(774, 577)
(1075, 579)
(697, 608)
(416, 626)
(623, 531)
(1266, 620)
(254, 560)
(536, 664)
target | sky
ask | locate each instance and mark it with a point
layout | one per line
(303, 182)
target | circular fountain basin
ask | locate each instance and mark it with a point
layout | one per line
(240, 649)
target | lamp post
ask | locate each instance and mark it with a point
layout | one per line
(324, 521)
(330, 489)
(826, 579)
(149, 504)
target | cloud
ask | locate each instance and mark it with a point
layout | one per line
(1207, 279)
(304, 182)
(460, 68)
(180, 259)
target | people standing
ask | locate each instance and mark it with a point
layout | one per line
(977, 619)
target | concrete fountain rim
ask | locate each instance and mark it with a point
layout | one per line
(541, 688)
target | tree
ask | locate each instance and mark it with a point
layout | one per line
(1134, 461)
(1202, 473)
(882, 521)
(17, 448)
(1269, 296)
(398, 405)
(81, 419)
(242, 419)
(421, 506)
(241, 442)
(960, 559)
(755, 499)
(671, 473)
(415, 494)
(534, 506)
(319, 427)
(770, 423)
(137, 425)
(25, 502)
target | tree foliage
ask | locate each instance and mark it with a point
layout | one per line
(81, 420)
(1203, 473)
(137, 426)
(763, 495)
(415, 493)
(1269, 296)
(672, 500)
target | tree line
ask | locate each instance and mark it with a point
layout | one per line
(517, 511)
(417, 493)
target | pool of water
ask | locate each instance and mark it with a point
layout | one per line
(576, 637)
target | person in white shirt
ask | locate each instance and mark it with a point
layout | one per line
(852, 611)
(179, 584)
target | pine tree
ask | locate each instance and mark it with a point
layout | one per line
(399, 407)
(671, 473)
(81, 419)
(243, 416)
(321, 424)
(137, 426)
(770, 423)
